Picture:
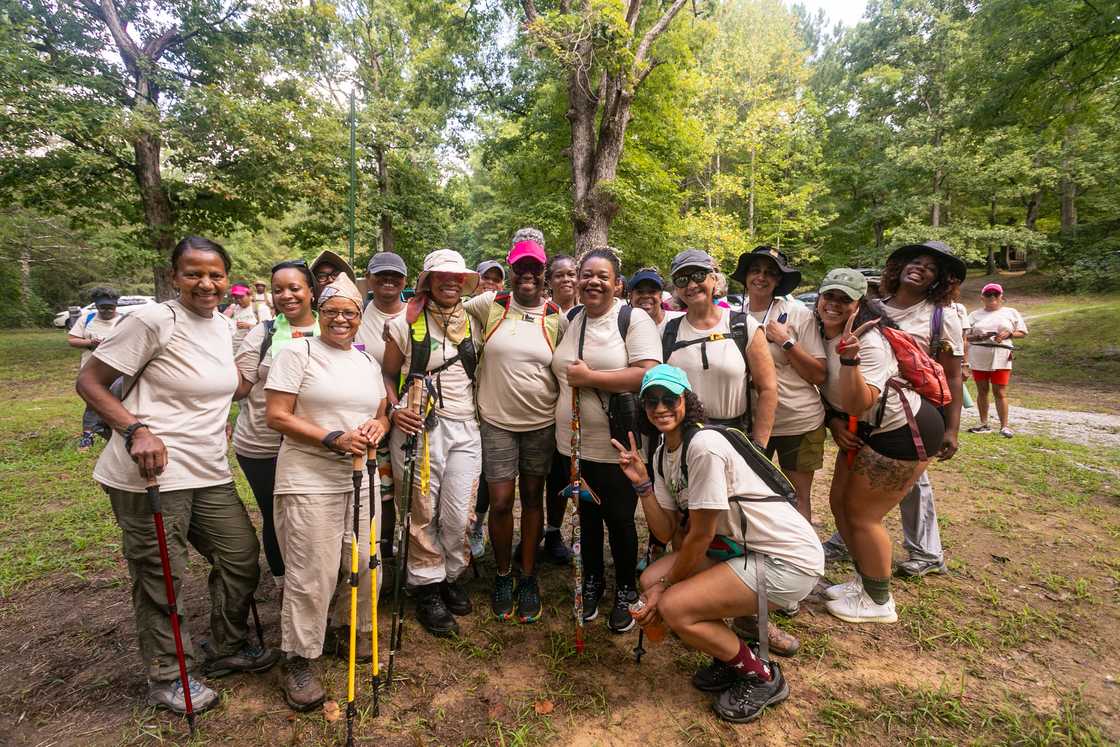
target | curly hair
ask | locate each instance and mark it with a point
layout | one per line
(938, 291)
(693, 413)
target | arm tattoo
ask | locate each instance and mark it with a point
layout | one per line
(883, 472)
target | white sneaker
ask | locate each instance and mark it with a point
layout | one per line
(836, 591)
(859, 608)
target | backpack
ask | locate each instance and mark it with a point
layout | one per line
(738, 325)
(917, 368)
(499, 310)
(421, 351)
(624, 312)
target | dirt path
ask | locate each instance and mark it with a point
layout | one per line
(1075, 427)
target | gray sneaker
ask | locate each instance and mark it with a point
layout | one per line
(477, 538)
(917, 568)
(169, 695)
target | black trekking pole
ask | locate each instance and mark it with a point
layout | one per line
(257, 620)
(640, 649)
(172, 610)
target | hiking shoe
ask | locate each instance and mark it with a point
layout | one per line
(917, 568)
(85, 442)
(621, 620)
(982, 428)
(363, 648)
(433, 613)
(836, 591)
(528, 600)
(477, 538)
(555, 551)
(835, 550)
(592, 595)
(501, 599)
(1006, 432)
(254, 659)
(455, 597)
(169, 695)
(745, 700)
(302, 688)
(781, 642)
(715, 678)
(860, 608)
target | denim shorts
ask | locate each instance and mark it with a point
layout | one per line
(506, 454)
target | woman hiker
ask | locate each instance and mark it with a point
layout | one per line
(327, 399)
(886, 464)
(170, 426)
(86, 335)
(693, 589)
(244, 314)
(992, 330)
(646, 287)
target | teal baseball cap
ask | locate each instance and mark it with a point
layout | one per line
(670, 377)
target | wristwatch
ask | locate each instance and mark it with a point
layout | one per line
(788, 344)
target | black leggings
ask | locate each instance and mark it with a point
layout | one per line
(555, 504)
(261, 475)
(617, 512)
(898, 443)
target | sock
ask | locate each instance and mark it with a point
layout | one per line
(746, 662)
(879, 589)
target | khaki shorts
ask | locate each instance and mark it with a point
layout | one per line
(505, 454)
(785, 584)
(799, 453)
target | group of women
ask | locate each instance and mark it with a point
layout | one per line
(502, 372)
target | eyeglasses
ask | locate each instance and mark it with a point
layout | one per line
(696, 276)
(327, 276)
(651, 401)
(289, 264)
(347, 314)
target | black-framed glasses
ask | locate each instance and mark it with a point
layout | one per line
(696, 276)
(650, 400)
(289, 264)
(347, 314)
(327, 276)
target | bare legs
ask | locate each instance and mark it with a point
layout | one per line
(501, 521)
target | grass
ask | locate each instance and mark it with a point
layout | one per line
(1073, 349)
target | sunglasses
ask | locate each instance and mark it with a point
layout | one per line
(696, 276)
(347, 314)
(651, 401)
(527, 267)
(990, 294)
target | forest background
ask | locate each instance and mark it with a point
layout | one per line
(654, 126)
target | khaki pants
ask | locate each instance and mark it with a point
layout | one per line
(315, 532)
(214, 521)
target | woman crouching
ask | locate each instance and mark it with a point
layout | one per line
(696, 588)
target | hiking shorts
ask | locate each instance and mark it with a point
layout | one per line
(999, 377)
(786, 585)
(899, 443)
(506, 454)
(802, 452)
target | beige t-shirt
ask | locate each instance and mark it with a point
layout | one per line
(722, 387)
(917, 321)
(984, 356)
(774, 528)
(878, 365)
(96, 329)
(799, 403)
(371, 333)
(452, 383)
(248, 314)
(336, 389)
(184, 395)
(603, 350)
(251, 435)
(666, 317)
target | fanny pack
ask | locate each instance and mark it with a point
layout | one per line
(723, 547)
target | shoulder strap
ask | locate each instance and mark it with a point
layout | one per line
(266, 343)
(163, 341)
(669, 337)
(935, 320)
(739, 324)
(89, 317)
(421, 346)
(496, 314)
(574, 311)
(624, 320)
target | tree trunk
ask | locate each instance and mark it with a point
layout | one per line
(750, 198)
(25, 277)
(157, 210)
(1069, 206)
(935, 212)
(388, 238)
(1034, 205)
(991, 249)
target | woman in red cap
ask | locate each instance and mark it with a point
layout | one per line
(990, 353)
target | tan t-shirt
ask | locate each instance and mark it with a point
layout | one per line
(336, 389)
(715, 472)
(722, 387)
(603, 350)
(666, 317)
(95, 329)
(251, 435)
(248, 314)
(917, 320)
(183, 394)
(453, 383)
(985, 356)
(371, 333)
(799, 403)
(878, 365)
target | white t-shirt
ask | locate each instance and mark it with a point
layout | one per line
(878, 366)
(962, 314)
(251, 435)
(715, 472)
(722, 387)
(336, 389)
(251, 314)
(371, 333)
(984, 356)
(183, 395)
(95, 329)
(917, 321)
(799, 403)
(666, 317)
(452, 383)
(603, 350)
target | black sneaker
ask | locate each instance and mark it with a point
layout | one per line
(592, 595)
(745, 700)
(433, 614)
(501, 599)
(528, 600)
(253, 659)
(715, 678)
(621, 620)
(555, 551)
(455, 597)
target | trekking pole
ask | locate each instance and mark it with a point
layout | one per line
(172, 609)
(257, 620)
(374, 562)
(853, 424)
(577, 483)
(351, 706)
(640, 649)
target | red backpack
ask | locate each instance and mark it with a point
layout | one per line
(924, 375)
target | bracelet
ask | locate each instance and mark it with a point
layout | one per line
(664, 581)
(644, 487)
(849, 361)
(129, 432)
(329, 439)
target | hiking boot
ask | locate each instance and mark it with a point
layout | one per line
(781, 642)
(477, 538)
(501, 599)
(1006, 432)
(715, 678)
(254, 659)
(745, 700)
(455, 597)
(555, 551)
(982, 428)
(836, 591)
(592, 595)
(917, 568)
(528, 600)
(621, 620)
(363, 648)
(835, 551)
(860, 608)
(169, 695)
(85, 442)
(433, 613)
(302, 688)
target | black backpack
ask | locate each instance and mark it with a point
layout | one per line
(738, 335)
(623, 317)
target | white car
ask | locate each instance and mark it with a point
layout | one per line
(125, 305)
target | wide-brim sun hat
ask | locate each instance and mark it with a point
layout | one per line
(851, 283)
(448, 260)
(667, 376)
(939, 250)
(791, 278)
(329, 257)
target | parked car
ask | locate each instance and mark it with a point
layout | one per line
(809, 298)
(126, 305)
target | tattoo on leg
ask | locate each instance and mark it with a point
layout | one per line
(881, 471)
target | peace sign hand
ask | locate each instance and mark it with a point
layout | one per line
(630, 461)
(848, 346)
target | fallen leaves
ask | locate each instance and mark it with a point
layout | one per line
(544, 707)
(331, 711)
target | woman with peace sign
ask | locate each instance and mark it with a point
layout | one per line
(883, 457)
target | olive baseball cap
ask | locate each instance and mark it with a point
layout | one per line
(851, 282)
(670, 377)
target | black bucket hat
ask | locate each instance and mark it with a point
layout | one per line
(939, 250)
(791, 278)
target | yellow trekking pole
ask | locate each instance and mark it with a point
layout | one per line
(351, 706)
(374, 562)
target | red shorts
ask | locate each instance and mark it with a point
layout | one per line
(999, 377)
